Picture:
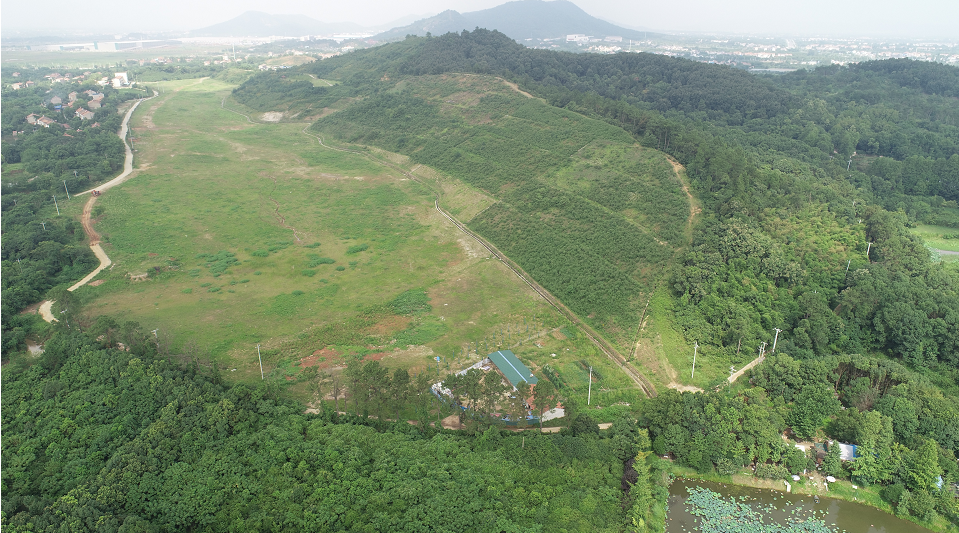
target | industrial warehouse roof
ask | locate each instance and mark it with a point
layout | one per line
(512, 368)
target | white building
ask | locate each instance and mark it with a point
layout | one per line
(120, 80)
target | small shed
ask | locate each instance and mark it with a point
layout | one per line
(512, 368)
(847, 452)
(820, 449)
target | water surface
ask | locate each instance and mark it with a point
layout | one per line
(839, 515)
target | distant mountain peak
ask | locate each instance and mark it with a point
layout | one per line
(520, 19)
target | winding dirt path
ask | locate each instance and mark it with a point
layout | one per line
(86, 218)
(694, 209)
(223, 106)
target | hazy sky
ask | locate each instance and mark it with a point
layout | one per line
(914, 18)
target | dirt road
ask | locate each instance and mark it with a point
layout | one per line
(127, 161)
(45, 307)
(743, 370)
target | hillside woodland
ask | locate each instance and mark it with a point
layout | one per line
(39, 162)
(809, 183)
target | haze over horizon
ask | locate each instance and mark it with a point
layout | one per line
(921, 19)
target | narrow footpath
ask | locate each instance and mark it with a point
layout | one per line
(45, 307)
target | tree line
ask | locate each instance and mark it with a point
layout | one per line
(102, 438)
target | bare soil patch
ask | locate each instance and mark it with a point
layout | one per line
(272, 116)
(389, 325)
(452, 422)
(328, 356)
(376, 356)
(471, 247)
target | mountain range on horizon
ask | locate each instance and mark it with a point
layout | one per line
(520, 20)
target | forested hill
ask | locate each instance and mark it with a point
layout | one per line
(780, 115)
(659, 82)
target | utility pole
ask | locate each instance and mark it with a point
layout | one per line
(848, 164)
(589, 392)
(762, 349)
(695, 351)
(156, 338)
(65, 188)
(44, 226)
(261, 361)
(867, 250)
(776, 339)
(19, 265)
(56, 204)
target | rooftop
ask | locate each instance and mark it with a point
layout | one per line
(511, 367)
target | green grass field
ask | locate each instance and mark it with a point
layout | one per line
(940, 238)
(254, 234)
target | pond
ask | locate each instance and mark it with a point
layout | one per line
(773, 507)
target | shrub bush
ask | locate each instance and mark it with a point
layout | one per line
(357, 248)
(771, 471)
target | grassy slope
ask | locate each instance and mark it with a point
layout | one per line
(206, 188)
(590, 215)
(227, 166)
(935, 236)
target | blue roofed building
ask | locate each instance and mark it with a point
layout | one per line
(511, 368)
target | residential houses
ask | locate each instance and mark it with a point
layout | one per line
(96, 99)
(32, 118)
(46, 122)
(84, 114)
